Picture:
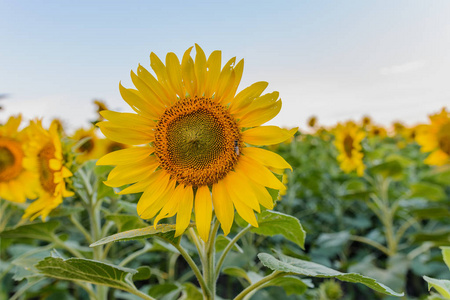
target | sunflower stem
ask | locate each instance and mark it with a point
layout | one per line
(195, 269)
(209, 267)
(258, 284)
(229, 247)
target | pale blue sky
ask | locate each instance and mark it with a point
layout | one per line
(333, 59)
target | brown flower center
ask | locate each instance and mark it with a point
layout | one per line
(197, 141)
(444, 138)
(11, 156)
(46, 176)
(348, 145)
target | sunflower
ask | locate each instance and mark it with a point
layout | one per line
(435, 138)
(198, 138)
(45, 157)
(106, 146)
(375, 130)
(348, 142)
(89, 148)
(16, 182)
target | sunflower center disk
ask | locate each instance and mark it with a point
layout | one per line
(444, 138)
(46, 173)
(197, 141)
(348, 145)
(11, 155)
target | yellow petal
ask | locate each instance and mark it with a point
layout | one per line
(245, 212)
(170, 208)
(437, 158)
(174, 74)
(260, 116)
(263, 195)
(200, 69)
(125, 135)
(203, 211)
(152, 101)
(155, 196)
(223, 206)
(267, 135)
(164, 96)
(55, 164)
(247, 95)
(136, 101)
(188, 73)
(258, 173)
(238, 70)
(212, 76)
(163, 78)
(225, 82)
(238, 186)
(130, 120)
(65, 172)
(125, 156)
(266, 157)
(130, 173)
(184, 211)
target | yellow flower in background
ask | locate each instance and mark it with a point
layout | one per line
(375, 130)
(16, 182)
(348, 142)
(435, 138)
(312, 121)
(197, 135)
(44, 157)
(89, 149)
(366, 121)
(106, 146)
(101, 106)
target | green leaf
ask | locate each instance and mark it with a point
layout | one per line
(272, 223)
(38, 231)
(306, 268)
(428, 191)
(222, 242)
(126, 222)
(164, 231)
(391, 168)
(80, 269)
(290, 284)
(63, 211)
(440, 285)
(191, 292)
(237, 272)
(143, 273)
(446, 256)
(431, 213)
(440, 237)
(161, 290)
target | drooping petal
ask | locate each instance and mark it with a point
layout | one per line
(267, 135)
(258, 173)
(203, 211)
(223, 206)
(238, 187)
(184, 211)
(130, 173)
(148, 203)
(170, 208)
(245, 212)
(266, 157)
(125, 156)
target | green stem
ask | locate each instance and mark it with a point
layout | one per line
(136, 254)
(210, 251)
(80, 227)
(228, 248)
(256, 285)
(370, 242)
(172, 264)
(195, 269)
(140, 294)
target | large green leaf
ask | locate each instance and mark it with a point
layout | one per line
(79, 269)
(290, 284)
(428, 191)
(392, 168)
(272, 223)
(37, 231)
(440, 285)
(126, 222)
(306, 268)
(164, 231)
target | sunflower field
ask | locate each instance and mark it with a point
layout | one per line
(193, 196)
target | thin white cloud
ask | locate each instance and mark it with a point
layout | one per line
(404, 68)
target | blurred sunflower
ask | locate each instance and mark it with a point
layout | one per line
(89, 148)
(106, 146)
(435, 138)
(16, 182)
(198, 133)
(375, 130)
(44, 157)
(348, 142)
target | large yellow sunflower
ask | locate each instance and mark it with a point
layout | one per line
(16, 182)
(348, 142)
(45, 158)
(435, 138)
(197, 135)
